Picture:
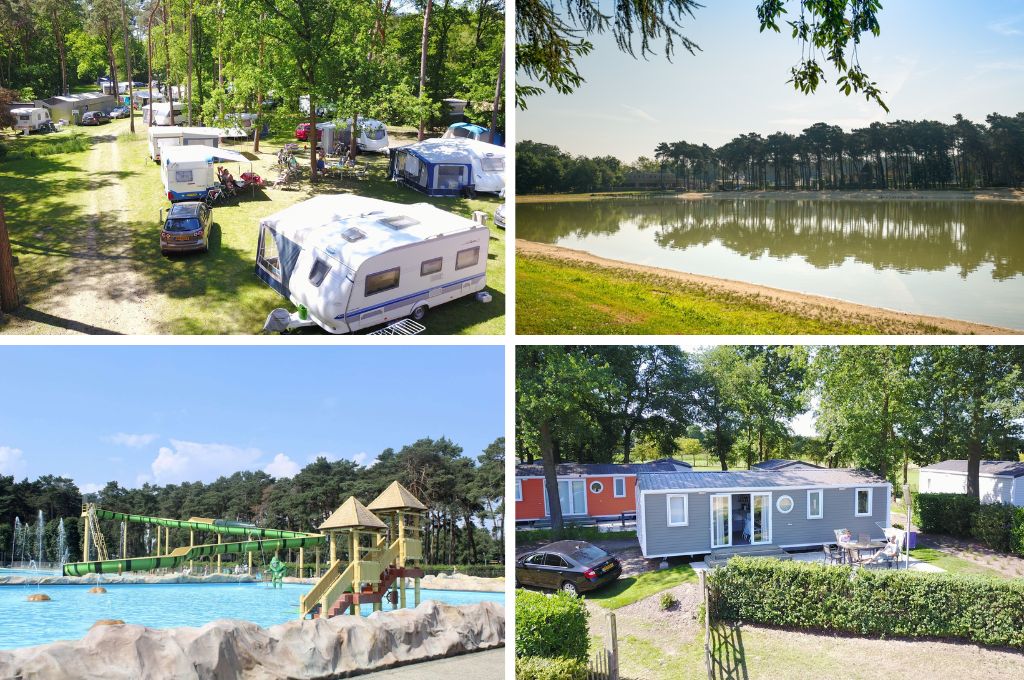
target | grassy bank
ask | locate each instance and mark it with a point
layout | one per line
(555, 296)
(629, 589)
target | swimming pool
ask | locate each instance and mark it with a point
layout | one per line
(28, 572)
(73, 610)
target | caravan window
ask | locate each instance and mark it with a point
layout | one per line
(382, 281)
(449, 176)
(467, 258)
(374, 133)
(461, 132)
(428, 267)
(268, 258)
(492, 164)
(399, 222)
(183, 176)
(318, 271)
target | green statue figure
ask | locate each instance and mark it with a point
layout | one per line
(277, 572)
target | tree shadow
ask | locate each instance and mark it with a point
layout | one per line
(27, 313)
(727, 656)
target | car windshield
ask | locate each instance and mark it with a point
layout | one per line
(587, 554)
(182, 224)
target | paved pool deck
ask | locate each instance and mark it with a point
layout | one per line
(818, 556)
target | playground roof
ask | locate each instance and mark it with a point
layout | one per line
(396, 497)
(352, 515)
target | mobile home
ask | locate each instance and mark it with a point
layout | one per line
(168, 136)
(188, 172)
(999, 481)
(353, 262)
(29, 120)
(695, 513)
(161, 114)
(586, 491)
(450, 167)
(73, 106)
(373, 134)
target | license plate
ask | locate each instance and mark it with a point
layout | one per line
(606, 568)
(184, 238)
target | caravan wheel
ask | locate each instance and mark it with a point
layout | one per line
(419, 313)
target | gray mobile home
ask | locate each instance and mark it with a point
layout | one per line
(695, 513)
(784, 464)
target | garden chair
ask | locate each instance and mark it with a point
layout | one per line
(833, 555)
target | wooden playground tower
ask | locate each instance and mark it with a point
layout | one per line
(382, 554)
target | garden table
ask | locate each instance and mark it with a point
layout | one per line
(854, 546)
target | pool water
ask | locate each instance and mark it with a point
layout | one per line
(28, 572)
(72, 610)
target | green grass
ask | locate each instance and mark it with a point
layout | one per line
(554, 296)
(36, 146)
(951, 563)
(577, 533)
(634, 588)
(47, 202)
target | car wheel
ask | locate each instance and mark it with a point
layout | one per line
(419, 313)
(570, 588)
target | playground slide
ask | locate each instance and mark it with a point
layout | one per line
(269, 540)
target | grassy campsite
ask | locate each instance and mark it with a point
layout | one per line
(85, 205)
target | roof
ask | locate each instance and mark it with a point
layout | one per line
(996, 468)
(199, 152)
(76, 98)
(472, 127)
(603, 469)
(322, 222)
(454, 149)
(755, 479)
(184, 209)
(396, 497)
(352, 515)
(784, 463)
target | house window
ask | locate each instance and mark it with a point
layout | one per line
(814, 504)
(677, 511)
(784, 504)
(428, 267)
(596, 487)
(467, 258)
(863, 507)
(382, 281)
(620, 487)
(519, 490)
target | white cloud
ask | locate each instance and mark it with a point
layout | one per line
(12, 461)
(89, 487)
(282, 466)
(135, 441)
(1008, 26)
(194, 461)
(364, 459)
(639, 113)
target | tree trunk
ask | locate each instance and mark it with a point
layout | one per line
(58, 37)
(497, 95)
(312, 136)
(8, 284)
(551, 479)
(424, 43)
(258, 123)
(167, 64)
(720, 449)
(111, 59)
(128, 68)
(627, 438)
(188, 66)
(149, 64)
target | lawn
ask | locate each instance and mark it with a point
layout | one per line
(554, 296)
(951, 563)
(94, 215)
(632, 589)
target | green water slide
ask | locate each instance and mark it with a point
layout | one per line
(265, 540)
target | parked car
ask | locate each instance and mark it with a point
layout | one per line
(572, 566)
(94, 118)
(302, 133)
(186, 228)
(499, 214)
(119, 112)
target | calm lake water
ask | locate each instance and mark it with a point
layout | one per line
(956, 259)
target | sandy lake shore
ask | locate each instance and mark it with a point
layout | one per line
(1002, 195)
(782, 300)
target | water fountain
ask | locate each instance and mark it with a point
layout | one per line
(124, 543)
(63, 551)
(14, 539)
(40, 526)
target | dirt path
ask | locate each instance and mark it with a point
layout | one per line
(102, 292)
(783, 300)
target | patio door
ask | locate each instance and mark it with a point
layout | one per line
(761, 511)
(721, 520)
(572, 496)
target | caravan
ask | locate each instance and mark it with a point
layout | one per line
(351, 262)
(188, 172)
(373, 134)
(161, 114)
(29, 120)
(471, 131)
(450, 167)
(168, 136)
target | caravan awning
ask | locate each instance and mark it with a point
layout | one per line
(201, 152)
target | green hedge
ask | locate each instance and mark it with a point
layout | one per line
(945, 513)
(992, 524)
(539, 668)
(551, 626)
(883, 603)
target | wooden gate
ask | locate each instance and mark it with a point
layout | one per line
(604, 665)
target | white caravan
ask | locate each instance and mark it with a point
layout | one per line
(373, 134)
(31, 119)
(188, 172)
(168, 136)
(161, 114)
(351, 262)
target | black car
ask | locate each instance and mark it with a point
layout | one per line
(187, 227)
(572, 566)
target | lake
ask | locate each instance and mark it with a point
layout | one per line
(956, 259)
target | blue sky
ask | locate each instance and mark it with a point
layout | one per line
(167, 414)
(934, 59)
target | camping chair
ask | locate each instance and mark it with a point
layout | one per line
(833, 555)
